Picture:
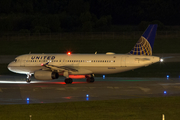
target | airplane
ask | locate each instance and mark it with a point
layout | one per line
(51, 66)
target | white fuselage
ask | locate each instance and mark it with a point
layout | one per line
(83, 63)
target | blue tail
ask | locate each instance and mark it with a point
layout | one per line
(145, 44)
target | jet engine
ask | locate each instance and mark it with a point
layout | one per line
(45, 75)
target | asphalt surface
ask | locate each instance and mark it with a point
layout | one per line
(14, 89)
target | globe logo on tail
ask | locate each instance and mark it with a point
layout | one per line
(142, 47)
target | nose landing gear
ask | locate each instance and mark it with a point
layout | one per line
(89, 78)
(28, 80)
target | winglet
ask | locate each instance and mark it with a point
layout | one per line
(145, 44)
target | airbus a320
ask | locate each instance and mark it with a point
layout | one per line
(51, 66)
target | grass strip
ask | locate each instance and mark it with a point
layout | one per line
(124, 109)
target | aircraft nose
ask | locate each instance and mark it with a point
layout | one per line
(10, 65)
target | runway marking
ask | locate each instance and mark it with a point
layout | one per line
(35, 89)
(60, 89)
(116, 87)
(112, 87)
(168, 84)
(74, 88)
(142, 88)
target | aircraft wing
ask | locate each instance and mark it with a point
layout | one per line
(60, 68)
(71, 69)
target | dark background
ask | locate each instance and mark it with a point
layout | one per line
(49, 16)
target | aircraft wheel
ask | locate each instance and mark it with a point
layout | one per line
(90, 79)
(68, 80)
(28, 80)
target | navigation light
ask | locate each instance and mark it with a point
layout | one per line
(161, 60)
(69, 53)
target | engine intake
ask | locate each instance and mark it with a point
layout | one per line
(45, 75)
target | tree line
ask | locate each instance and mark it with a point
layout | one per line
(41, 16)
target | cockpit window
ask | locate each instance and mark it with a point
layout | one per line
(15, 60)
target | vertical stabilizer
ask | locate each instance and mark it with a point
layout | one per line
(145, 44)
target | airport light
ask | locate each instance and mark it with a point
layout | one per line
(161, 60)
(104, 76)
(30, 116)
(87, 97)
(165, 92)
(27, 100)
(163, 117)
(167, 76)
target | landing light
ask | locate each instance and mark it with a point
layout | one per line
(161, 60)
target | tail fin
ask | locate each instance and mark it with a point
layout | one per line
(145, 44)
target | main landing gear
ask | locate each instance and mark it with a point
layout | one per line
(28, 80)
(68, 80)
(89, 78)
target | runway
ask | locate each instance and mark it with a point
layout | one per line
(14, 89)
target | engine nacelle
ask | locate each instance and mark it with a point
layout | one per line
(45, 75)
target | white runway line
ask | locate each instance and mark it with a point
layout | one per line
(20, 82)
